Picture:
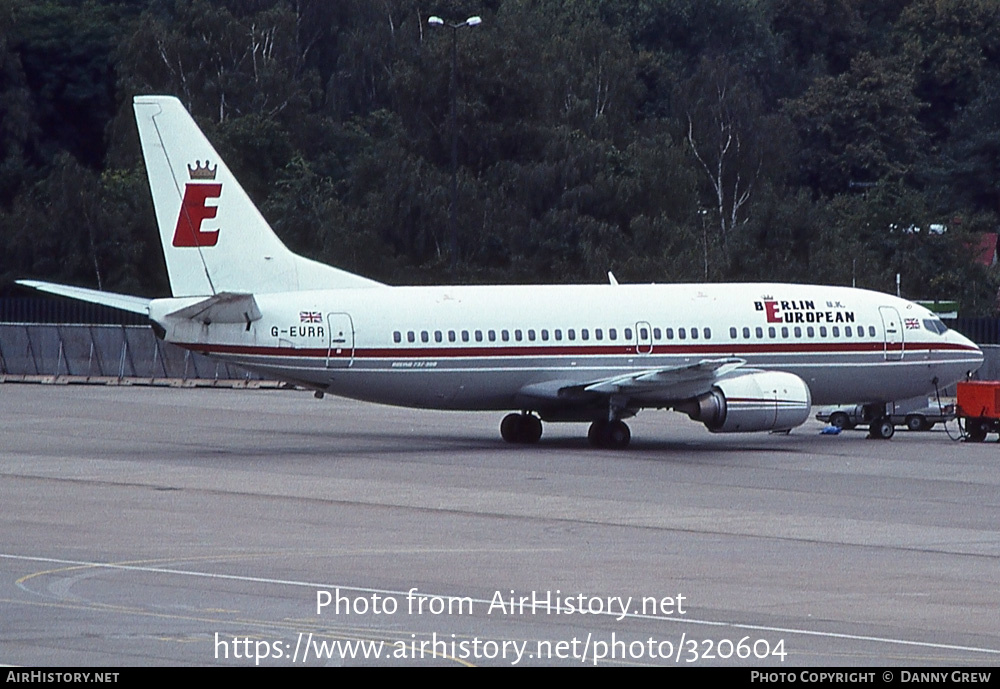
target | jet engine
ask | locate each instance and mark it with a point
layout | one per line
(760, 401)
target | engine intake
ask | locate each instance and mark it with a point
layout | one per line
(762, 401)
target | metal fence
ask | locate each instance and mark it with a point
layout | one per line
(982, 331)
(56, 310)
(105, 353)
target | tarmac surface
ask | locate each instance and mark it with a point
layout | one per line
(165, 526)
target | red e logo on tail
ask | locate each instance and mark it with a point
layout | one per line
(194, 211)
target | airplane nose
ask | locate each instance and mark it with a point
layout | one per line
(975, 354)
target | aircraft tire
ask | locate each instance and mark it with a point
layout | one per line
(521, 429)
(618, 435)
(510, 428)
(595, 434)
(881, 429)
(531, 429)
(613, 435)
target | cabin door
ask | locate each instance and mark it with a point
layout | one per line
(893, 327)
(341, 351)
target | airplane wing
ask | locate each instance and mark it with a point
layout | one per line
(125, 302)
(667, 384)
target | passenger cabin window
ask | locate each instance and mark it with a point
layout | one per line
(732, 333)
(505, 335)
(707, 332)
(784, 331)
(612, 334)
(411, 337)
(517, 335)
(628, 333)
(681, 334)
(759, 332)
(571, 334)
(531, 335)
(397, 337)
(492, 335)
(425, 336)
(438, 336)
(746, 333)
(771, 332)
(465, 336)
(558, 334)
(451, 336)
(545, 335)
(694, 333)
(657, 334)
(479, 336)
(871, 331)
(670, 333)
(584, 334)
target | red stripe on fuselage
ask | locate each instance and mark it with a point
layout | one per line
(563, 350)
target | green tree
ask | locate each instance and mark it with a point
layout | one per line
(19, 132)
(732, 139)
(861, 126)
(948, 44)
(971, 156)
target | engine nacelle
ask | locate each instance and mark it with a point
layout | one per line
(761, 401)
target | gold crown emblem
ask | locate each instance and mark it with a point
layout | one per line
(767, 297)
(199, 172)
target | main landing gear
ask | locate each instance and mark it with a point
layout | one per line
(613, 435)
(522, 429)
(526, 429)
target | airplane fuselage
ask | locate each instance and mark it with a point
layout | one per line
(476, 348)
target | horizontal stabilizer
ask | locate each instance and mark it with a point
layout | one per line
(118, 301)
(226, 307)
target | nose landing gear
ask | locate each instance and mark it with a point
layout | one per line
(881, 429)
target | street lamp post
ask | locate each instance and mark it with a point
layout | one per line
(452, 229)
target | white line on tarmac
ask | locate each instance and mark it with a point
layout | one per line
(390, 592)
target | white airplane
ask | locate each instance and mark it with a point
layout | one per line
(737, 357)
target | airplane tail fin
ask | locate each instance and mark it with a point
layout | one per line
(214, 238)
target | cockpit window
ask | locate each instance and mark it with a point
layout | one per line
(935, 326)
